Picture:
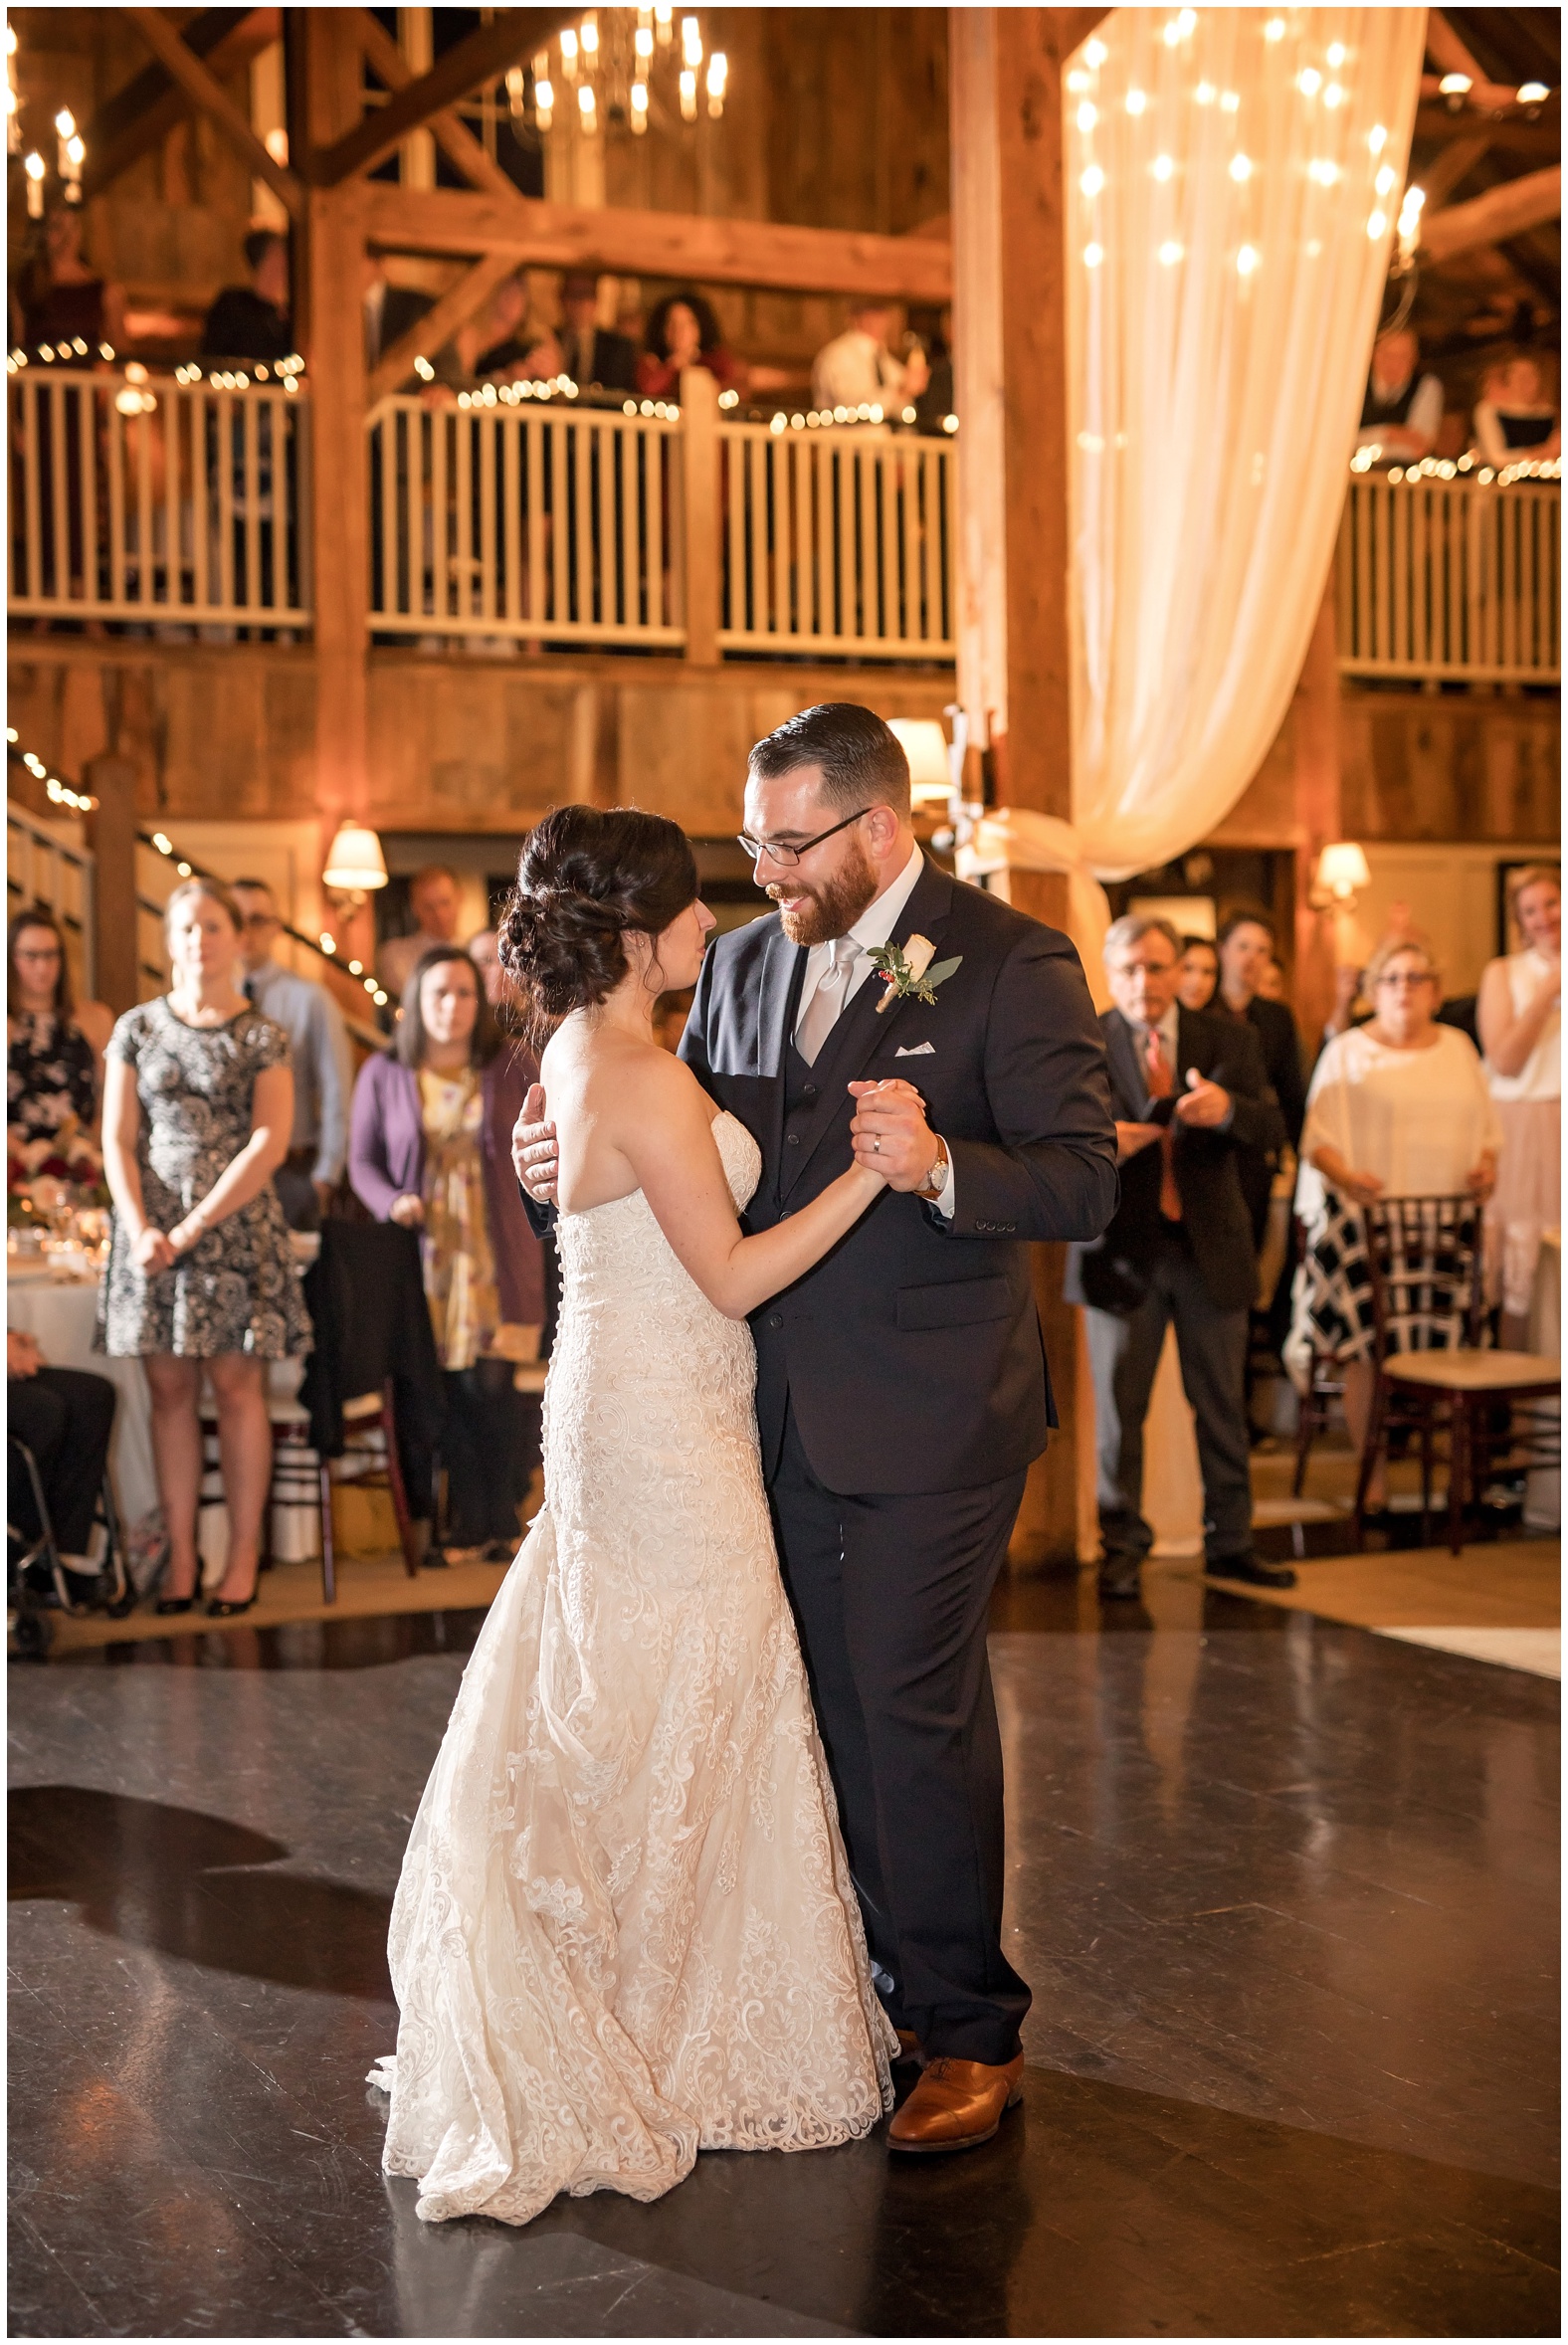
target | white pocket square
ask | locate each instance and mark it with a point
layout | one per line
(917, 1051)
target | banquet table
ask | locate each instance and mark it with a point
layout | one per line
(59, 1309)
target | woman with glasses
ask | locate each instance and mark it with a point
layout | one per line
(1398, 1108)
(54, 1046)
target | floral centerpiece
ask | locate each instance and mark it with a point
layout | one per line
(58, 1172)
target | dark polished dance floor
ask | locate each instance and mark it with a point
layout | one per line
(1286, 1894)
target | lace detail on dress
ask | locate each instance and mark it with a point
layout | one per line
(624, 1929)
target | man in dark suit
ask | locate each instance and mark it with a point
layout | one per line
(1245, 945)
(1189, 1093)
(901, 1385)
(595, 359)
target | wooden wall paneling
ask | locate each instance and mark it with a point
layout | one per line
(212, 99)
(111, 834)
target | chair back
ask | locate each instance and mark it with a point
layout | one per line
(366, 1297)
(1424, 1258)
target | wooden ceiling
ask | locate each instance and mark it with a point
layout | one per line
(1490, 272)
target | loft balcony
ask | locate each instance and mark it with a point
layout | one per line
(179, 505)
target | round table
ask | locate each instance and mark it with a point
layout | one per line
(60, 1313)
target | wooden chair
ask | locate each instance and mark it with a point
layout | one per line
(1424, 1256)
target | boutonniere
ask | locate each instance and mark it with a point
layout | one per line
(907, 970)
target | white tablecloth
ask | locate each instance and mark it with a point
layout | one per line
(60, 1315)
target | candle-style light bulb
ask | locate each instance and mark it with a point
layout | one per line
(34, 168)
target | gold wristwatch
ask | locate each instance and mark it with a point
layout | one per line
(935, 1180)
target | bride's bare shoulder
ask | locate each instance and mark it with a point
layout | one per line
(617, 1077)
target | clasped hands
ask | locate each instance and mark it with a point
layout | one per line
(1203, 1106)
(889, 1134)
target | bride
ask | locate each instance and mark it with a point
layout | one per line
(624, 1929)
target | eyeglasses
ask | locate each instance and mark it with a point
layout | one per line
(1405, 978)
(783, 853)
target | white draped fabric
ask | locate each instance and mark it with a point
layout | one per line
(1233, 180)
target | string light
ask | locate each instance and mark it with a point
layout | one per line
(1333, 96)
(1170, 253)
(1337, 54)
(1092, 256)
(1087, 117)
(1377, 138)
(1310, 80)
(1273, 30)
(1533, 93)
(717, 76)
(1205, 94)
(1377, 223)
(1247, 260)
(1162, 167)
(1078, 81)
(1241, 168)
(1095, 54)
(1228, 102)
(1384, 182)
(1136, 101)
(1323, 172)
(1092, 181)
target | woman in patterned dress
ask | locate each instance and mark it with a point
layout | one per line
(198, 1106)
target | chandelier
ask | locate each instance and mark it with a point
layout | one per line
(71, 148)
(620, 65)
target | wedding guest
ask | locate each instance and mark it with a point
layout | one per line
(1399, 1107)
(1246, 946)
(594, 358)
(1271, 981)
(683, 331)
(323, 1069)
(1402, 412)
(64, 1415)
(54, 1046)
(1514, 418)
(1197, 972)
(198, 1105)
(1189, 1092)
(435, 898)
(252, 320)
(858, 369)
(60, 298)
(430, 1148)
(1519, 1017)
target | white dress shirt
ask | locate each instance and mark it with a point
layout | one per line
(856, 370)
(873, 927)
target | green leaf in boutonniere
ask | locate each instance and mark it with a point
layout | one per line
(907, 972)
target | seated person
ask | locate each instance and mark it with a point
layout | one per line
(252, 320)
(1402, 412)
(65, 1417)
(593, 357)
(683, 331)
(1514, 419)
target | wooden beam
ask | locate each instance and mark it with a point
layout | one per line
(139, 116)
(211, 99)
(1451, 56)
(451, 133)
(438, 325)
(111, 834)
(481, 58)
(1503, 211)
(1450, 166)
(702, 514)
(1511, 133)
(676, 244)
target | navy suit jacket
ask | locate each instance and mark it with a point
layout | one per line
(1112, 1274)
(911, 1354)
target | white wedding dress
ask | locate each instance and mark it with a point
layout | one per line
(624, 1929)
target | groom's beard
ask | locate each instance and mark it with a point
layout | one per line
(821, 913)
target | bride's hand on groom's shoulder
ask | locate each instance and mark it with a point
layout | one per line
(890, 1133)
(536, 1154)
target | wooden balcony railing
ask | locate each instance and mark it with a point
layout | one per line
(1450, 580)
(159, 499)
(560, 523)
(836, 541)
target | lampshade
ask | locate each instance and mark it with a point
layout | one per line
(1342, 869)
(925, 745)
(354, 861)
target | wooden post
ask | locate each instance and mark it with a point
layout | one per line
(1318, 818)
(699, 513)
(1014, 664)
(327, 107)
(111, 834)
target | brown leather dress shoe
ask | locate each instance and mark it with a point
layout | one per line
(956, 2105)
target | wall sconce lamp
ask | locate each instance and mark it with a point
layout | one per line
(355, 864)
(931, 785)
(1342, 875)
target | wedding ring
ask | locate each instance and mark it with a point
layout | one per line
(877, 1144)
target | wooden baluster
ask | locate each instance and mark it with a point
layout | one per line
(700, 496)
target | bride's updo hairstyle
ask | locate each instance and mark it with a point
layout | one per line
(584, 880)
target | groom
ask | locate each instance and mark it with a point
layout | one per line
(901, 1385)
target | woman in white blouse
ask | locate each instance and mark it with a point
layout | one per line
(1519, 1017)
(1398, 1108)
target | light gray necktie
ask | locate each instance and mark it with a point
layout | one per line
(822, 1011)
